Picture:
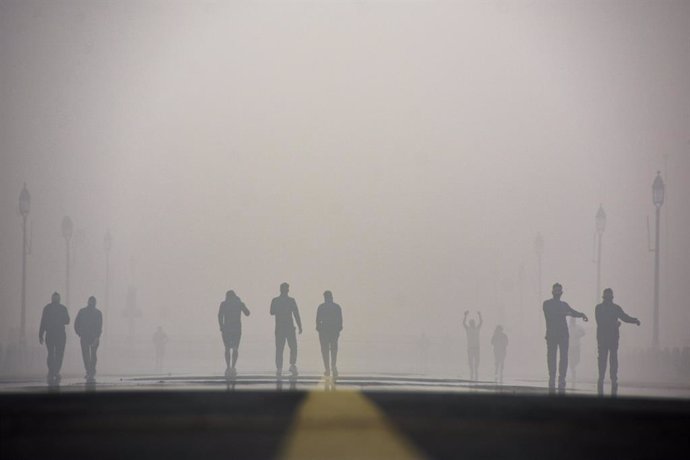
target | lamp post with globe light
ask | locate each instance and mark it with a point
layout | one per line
(107, 245)
(67, 231)
(600, 225)
(539, 250)
(24, 208)
(658, 190)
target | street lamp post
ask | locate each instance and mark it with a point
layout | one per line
(67, 231)
(107, 245)
(600, 225)
(658, 190)
(24, 208)
(539, 249)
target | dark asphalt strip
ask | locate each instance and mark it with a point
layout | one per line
(452, 426)
(151, 425)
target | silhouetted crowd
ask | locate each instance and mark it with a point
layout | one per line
(562, 341)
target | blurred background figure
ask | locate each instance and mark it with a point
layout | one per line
(472, 332)
(132, 312)
(160, 340)
(500, 344)
(577, 332)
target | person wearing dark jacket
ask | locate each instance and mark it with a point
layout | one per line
(53, 321)
(284, 308)
(88, 325)
(329, 323)
(608, 315)
(557, 336)
(230, 322)
(500, 344)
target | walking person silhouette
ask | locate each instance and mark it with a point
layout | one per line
(88, 325)
(329, 323)
(576, 333)
(160, 340)
(608, 315)
(53, 321)
(472, 331)
(284, 308)
(500, 344)
(230, 322)
(557, 337)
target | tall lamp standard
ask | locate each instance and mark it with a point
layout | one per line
(658, 190)
(539, 249)
(67, 231)
(600, 225)
(107, 245)
(24, 208)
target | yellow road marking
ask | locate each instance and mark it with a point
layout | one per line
(344, 425)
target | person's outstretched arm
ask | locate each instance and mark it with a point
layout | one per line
(65, 317)
(220, 317)
(626, 318)
(571, 312)
(42, 328)
(245, 310)
(597, 314)
(319, 313)
(77, 324)
(339, 318)
(480, 319)
(273, 307)
(99, 325)
(295, 311)
(464, 319)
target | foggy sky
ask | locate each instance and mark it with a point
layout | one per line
(402, 154)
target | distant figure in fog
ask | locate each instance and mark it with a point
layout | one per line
(230, 321)
(557, 337)
(472, 331)
(608, 315)
(160, 340)
(329, 323)
(53, 322)
(500, 344)
(88, 325)
(284, 308)
(576, 333)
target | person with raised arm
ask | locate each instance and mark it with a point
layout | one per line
(608, 316)
(472, 332)
(557, 336)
